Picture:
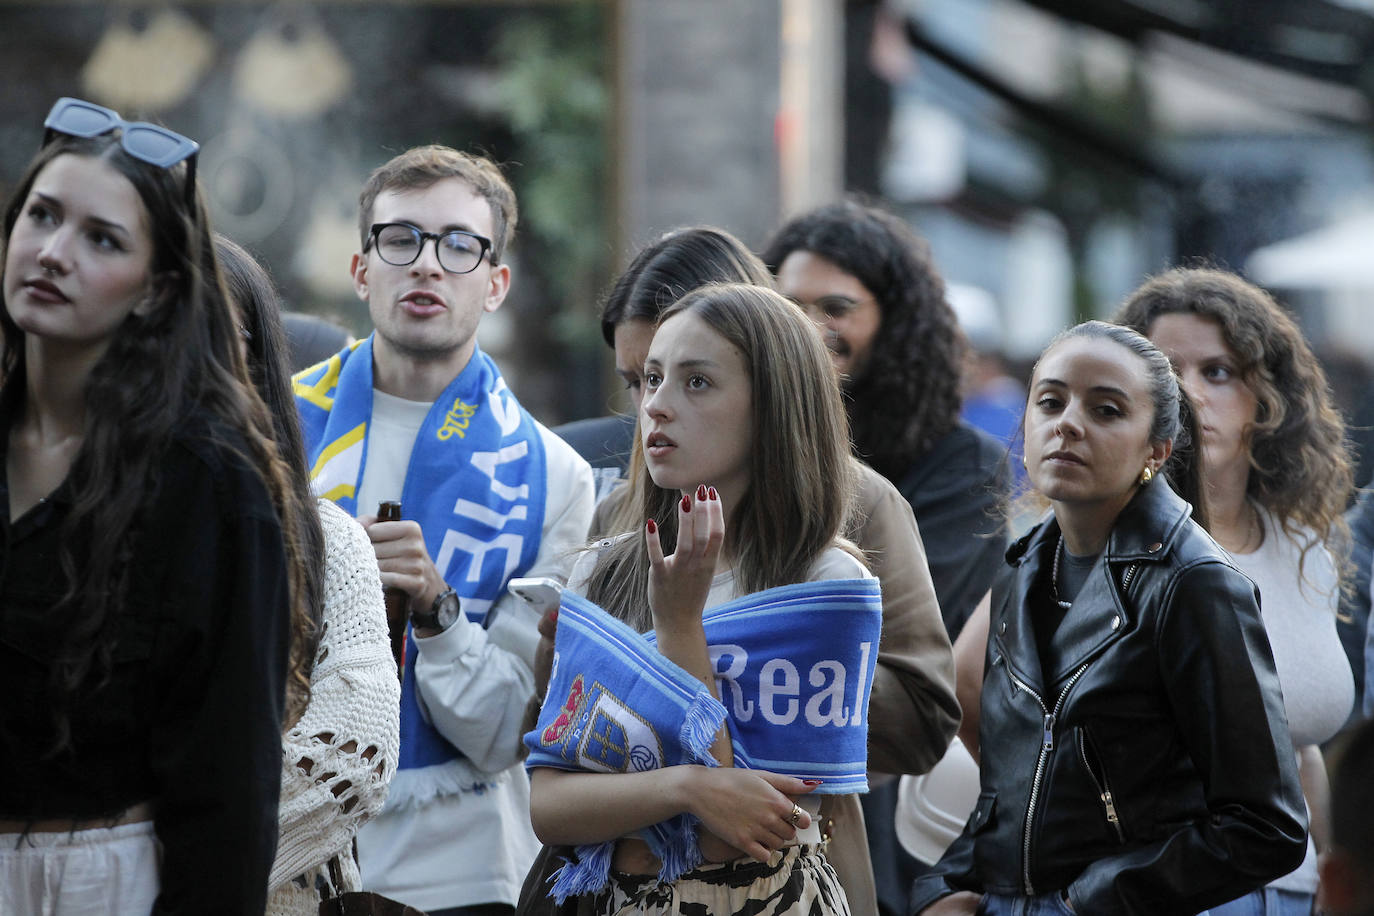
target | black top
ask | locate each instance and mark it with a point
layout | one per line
(603, 442)
(1051, 599)
(1352, 624)
(191, 716)
(955, 491)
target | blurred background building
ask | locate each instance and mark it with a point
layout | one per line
(1054, 152)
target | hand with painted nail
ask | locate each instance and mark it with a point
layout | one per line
(680, 582)
(748, 812)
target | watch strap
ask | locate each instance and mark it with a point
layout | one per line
(435, 617)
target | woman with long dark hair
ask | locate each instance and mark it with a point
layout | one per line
(339, 756)
(148, 578)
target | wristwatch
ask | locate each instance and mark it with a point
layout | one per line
(441, 614)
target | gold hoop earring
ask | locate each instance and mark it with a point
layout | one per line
(1146, 476)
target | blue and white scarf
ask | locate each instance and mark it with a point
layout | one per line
(475, 483)
(794, 667)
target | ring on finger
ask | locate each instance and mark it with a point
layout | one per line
(796, 814)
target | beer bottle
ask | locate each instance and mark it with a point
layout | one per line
(397, 601)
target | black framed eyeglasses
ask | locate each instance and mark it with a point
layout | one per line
(150, 143)
(400, 244)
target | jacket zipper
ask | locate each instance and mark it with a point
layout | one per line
(1104, 789)
(1046, 745)
(1128, 576)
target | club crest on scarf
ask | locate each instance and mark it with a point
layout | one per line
(601, 733)
(794, 666)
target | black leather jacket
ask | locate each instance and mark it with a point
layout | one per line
(1149, 769)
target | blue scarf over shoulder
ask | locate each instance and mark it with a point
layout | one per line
(475, 483)
(794, 666)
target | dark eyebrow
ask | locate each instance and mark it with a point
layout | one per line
(824, 297)
(108, 225)
(1096, 389)
(686, 363)
(97, 220)
(444, 230)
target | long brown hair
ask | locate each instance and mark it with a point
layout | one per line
(251, 290)
(662, 273)
(800, 480)
(176, 356)
(1300, 467)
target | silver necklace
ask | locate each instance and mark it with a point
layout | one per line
(1054, 577)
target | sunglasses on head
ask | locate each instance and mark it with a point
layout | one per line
(150, 143)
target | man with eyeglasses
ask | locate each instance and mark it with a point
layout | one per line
(417, 412)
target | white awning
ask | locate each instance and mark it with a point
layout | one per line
(1339, 256)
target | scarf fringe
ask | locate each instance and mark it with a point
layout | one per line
(702, 720)
(418, 786)
(680, 853)
(674, 842)
(589, 874)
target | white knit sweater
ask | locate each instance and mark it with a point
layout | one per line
(338, 759)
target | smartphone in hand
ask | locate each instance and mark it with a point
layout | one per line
(540, 593)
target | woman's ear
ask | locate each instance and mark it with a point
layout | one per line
(1159, 454)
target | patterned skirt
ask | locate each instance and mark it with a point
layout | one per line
(798, 881)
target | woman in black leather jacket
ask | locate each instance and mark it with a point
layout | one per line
(1135, 756)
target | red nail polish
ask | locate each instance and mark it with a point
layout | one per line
(701, 492)
(713, 494)
(650, 526)
(686, 504)
(813, 782)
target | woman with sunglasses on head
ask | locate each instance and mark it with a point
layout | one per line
(1276, 475)
(147, 578)
(1135, 757)
(339, 756)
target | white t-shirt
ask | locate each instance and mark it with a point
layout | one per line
(1300, 618)
(474, 846)
(391, 437)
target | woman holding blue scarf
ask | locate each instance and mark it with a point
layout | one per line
(1135, 758)
(743, 478)
(146, 577)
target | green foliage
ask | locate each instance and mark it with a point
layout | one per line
(553, 89)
